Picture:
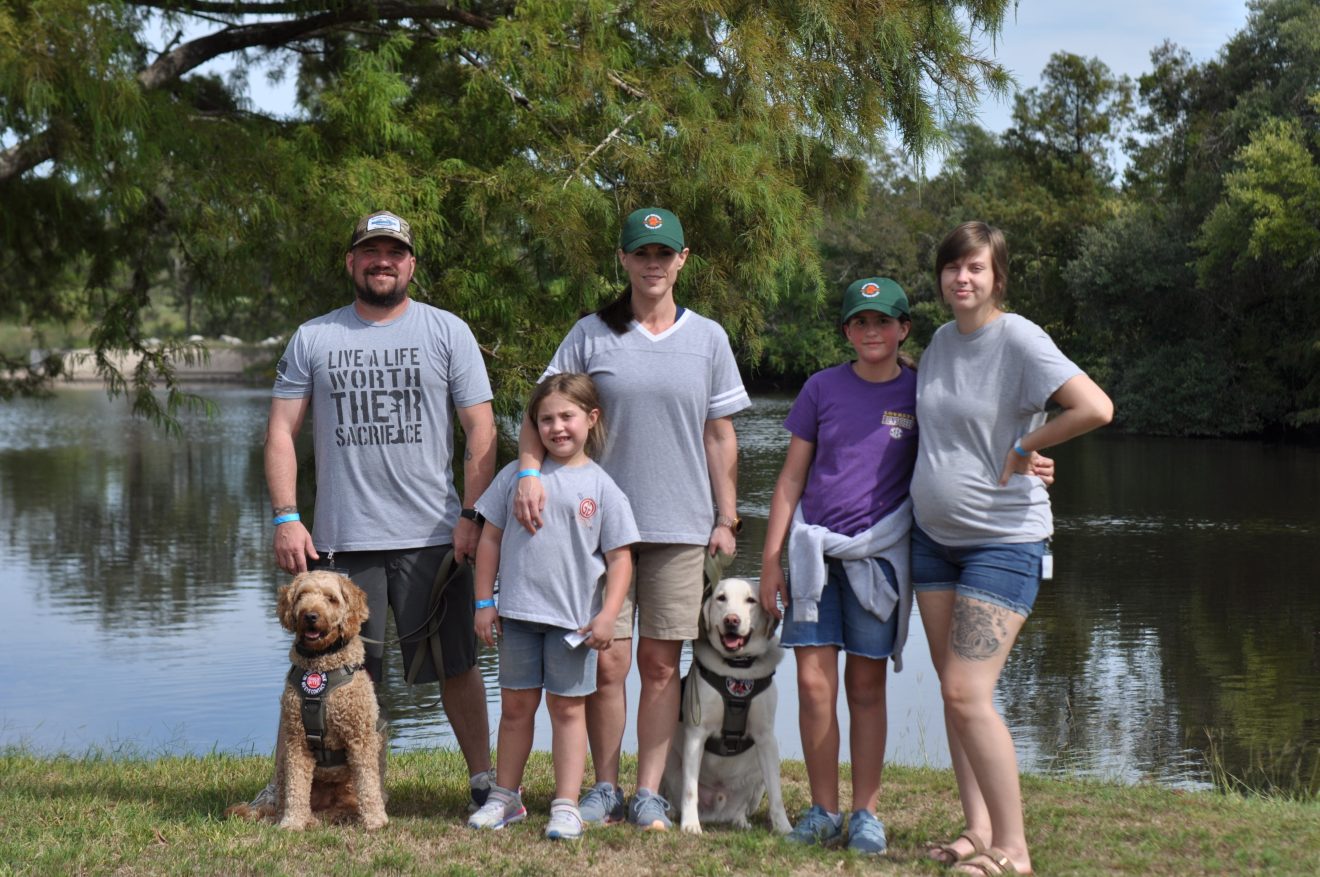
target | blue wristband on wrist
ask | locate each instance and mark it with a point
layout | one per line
(484, 604)
(284, 519)
(532, 472)
(1017, 449)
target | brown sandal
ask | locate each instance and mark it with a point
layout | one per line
(991, 863)
(945, 854)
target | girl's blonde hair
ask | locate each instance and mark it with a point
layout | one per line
(579, 389)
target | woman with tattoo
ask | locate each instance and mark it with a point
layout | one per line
(982, 521)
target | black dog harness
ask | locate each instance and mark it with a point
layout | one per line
(738, 695)
(314, 686)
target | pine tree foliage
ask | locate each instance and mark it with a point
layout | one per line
(513, 135)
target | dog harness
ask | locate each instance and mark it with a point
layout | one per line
(314, 686)
(738, 695)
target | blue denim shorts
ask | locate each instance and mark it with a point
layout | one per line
(1005, 574)
(843, 621)
(535, 655)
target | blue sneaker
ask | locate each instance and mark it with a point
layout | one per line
(866, 834)
(603, 805)
(648, 811)
(816, 827)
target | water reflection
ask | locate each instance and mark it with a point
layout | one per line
(136, 576)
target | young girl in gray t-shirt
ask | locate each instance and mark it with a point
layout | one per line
(552, 615)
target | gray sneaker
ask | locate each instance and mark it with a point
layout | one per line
(816, 827)
(503, 807)
(603, 805)
(479, 788)
(648, 811)
(265, 798)
(866, 834)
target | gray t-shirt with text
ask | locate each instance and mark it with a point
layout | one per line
(382, 400)
(977, 394)
(554, 576)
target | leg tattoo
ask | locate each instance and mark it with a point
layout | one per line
(978, 629)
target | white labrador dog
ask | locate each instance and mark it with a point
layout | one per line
(725, 756)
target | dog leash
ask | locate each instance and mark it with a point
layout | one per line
(431, 644)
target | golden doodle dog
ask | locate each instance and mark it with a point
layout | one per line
(328, 759)
(725, 756)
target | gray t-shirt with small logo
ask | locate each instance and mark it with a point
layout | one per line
(382, 409)
(657, 392)
(554, 576)
(977, 394)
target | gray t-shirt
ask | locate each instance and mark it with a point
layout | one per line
(976, 395)
(657, 392)
(554, 576)
(382, 422)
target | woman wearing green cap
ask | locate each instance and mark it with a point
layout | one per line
(669, 381)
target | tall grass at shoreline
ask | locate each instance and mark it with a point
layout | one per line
(102, 815)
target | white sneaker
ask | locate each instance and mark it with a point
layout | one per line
(565, 820)
(502, 808)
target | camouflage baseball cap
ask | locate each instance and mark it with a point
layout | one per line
(382, 224)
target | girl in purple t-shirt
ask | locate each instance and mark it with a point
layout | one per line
(845, 480)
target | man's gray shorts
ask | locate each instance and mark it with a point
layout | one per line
(403, 579)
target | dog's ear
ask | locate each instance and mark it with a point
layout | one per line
(288, 597)
(355, 601)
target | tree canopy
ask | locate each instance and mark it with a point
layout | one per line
(514, 136)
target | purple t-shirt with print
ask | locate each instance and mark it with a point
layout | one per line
(866, 445)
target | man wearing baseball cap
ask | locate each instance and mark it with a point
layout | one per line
(383, 378)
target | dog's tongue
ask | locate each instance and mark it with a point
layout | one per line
(312, 635)
(733, 642)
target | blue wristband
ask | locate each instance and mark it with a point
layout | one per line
(484, 604)
(1017, 449)
(526, 472)
(284, 519)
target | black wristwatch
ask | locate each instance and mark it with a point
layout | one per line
(473, 515)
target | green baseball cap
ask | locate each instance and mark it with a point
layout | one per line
(874, 294)
(651, 225)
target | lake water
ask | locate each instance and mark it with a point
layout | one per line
(1182, 628)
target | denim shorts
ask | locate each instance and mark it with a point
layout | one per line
(843, 621)
(1005, 574)
(535, 655)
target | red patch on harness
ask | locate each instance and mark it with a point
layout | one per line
(313, 682)
(739, 687)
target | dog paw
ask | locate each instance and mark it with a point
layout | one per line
(375, 822)
(741, 823)
(691, 827)
(291, 824)
(781, 823)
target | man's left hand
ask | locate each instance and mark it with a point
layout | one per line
(466, 535)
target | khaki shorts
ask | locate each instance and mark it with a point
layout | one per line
(665, 591)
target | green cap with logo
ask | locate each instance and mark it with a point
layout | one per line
(874, 294)
(651, 225)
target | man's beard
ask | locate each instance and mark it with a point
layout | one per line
(369, 296)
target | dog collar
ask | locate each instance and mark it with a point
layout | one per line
(742, 662)
(313, 653)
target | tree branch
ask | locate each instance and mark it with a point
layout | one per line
(27, 154)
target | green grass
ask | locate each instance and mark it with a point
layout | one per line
(126, 816)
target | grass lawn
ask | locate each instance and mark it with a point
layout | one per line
(97, 815)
